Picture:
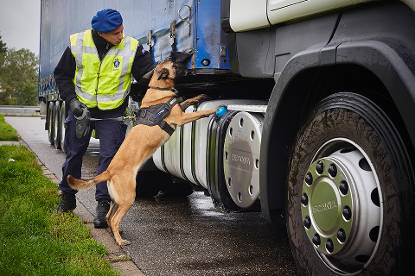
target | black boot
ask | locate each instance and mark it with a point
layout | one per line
(67, 203)
(100, 220)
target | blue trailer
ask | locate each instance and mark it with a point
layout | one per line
(320, 129)
(160, 26)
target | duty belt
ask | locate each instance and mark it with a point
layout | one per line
(155, 115)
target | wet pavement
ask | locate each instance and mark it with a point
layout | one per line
(186, 236)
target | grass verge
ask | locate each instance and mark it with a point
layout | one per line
(34, 238)
(7, 133)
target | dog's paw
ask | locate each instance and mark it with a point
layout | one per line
(203, 98)
(123, 243)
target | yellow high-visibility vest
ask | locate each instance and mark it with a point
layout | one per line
(104, 83)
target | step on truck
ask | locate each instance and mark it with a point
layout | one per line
(319, 132)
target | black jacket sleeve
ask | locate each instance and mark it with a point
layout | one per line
(64, 74)
(143, 63)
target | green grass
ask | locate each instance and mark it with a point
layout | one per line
(34, 238)
(7, 133)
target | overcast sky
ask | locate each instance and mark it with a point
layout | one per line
(20, 24)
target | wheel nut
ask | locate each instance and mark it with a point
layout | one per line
(308, 178)
(320, 167)
(344, 187)
(304, 199)
(341, 235)
(307, 222)
(316, 240)
(332, 170)
(347, 213)
(330, 246)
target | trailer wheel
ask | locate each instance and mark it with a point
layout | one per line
(57, 126)
(350, 193)
(51, 122)
(62, 117)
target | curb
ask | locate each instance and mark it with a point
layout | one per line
(10, 143)
(119, 259)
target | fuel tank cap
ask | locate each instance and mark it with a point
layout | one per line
(241, 158)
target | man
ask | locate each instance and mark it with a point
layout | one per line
(94, 78)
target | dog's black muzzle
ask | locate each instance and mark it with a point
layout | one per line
(180, 59)
(181, 70)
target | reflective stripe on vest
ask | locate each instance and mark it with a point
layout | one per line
(103, 83)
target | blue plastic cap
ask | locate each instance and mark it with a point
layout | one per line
(221, 111)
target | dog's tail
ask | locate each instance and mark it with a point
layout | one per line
(79, 184)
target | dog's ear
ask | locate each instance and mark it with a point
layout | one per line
(148, 75)
(163, 74)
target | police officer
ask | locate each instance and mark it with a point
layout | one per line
(94, 78)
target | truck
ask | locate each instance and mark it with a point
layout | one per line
(319, 132)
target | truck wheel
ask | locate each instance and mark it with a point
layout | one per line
(57, 126)
(51, 122)
(350, 193)
(62, 117)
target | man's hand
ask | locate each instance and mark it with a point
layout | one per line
(82, 124)
(76, 107)
(81, 114)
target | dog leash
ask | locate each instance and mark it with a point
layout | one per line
(118, 119)
(124, 119)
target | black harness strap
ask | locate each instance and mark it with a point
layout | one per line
(155, 115)
(166, 127)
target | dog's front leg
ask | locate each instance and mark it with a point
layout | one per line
(192, 101)
(191, 116)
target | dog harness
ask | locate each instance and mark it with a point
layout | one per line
(155, 115)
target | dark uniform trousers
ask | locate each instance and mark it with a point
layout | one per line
(111, 134)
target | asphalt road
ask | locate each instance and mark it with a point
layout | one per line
(178, 236)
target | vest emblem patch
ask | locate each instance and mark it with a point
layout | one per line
(116, 63)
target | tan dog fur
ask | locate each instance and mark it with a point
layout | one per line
(139, 145)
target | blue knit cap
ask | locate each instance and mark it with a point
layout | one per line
(106, 20)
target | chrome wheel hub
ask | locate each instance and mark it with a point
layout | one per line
(341, 207)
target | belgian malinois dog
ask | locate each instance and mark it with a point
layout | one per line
(140, 144)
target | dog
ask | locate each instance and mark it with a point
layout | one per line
(140, 144)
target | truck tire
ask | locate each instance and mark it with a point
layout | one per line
(57, 126)
(62, 117)
(51, 123)
(350, 191)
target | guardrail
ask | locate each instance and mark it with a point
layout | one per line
(20, 110)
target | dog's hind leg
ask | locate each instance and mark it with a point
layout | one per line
(111, 212)
(124, 199)
(116, 220)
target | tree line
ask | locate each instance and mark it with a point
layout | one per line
(18, 76)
